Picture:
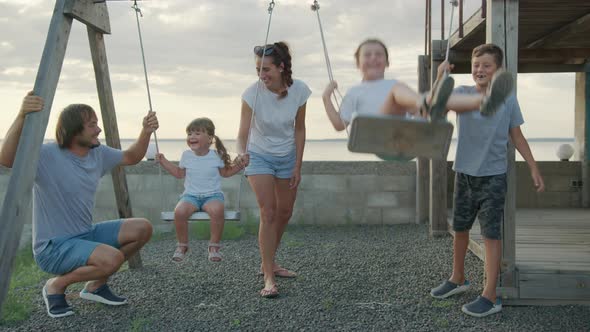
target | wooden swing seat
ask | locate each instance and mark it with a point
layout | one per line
(400, 136)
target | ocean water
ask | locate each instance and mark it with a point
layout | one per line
(543, 149)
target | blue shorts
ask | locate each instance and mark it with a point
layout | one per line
(279, 166)
(66, 253)
(199, 201)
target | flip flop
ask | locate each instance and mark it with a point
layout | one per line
(284, 273)
(281, 273)
(269, 293)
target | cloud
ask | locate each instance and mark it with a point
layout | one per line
(199, 57)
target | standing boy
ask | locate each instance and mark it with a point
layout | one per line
(480, 180)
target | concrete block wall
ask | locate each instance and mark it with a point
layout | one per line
(331, 193)
(562, 185)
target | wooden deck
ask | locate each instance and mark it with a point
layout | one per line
(552, 255)
(552, 37)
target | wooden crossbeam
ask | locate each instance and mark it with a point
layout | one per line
(92, 14)
(558, 35)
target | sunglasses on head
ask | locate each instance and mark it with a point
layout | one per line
(268, 50)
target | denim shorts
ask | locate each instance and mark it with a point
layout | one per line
(279, 166)
(66, 253)
(482, 197)
(199, 201)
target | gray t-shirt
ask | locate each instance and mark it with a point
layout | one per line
(64, 191)
(273, 128)
(365, 98)
(482, 143)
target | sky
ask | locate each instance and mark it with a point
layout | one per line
(199, 58)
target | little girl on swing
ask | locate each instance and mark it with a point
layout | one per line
(202, 169)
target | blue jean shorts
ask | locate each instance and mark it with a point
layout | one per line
(279, 166)
(199, 201)
(66, 253)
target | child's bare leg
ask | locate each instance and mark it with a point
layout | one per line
(460, 244)
(461, 102)
(401, 100)
(182, 212)
(215, 210)
(493, 249)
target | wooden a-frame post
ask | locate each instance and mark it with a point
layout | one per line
(502, 30)
(19, 191)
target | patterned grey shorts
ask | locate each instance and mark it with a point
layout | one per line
(482, 197)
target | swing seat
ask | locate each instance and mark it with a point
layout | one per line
(202, 216)
(398, 138)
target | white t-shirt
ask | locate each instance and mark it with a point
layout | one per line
(202, 172)
(365, 98)
(273, 128)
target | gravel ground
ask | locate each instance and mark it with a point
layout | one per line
(354, 278)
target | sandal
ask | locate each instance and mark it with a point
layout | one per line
(214, 256)
(179, 253)
(270, 293)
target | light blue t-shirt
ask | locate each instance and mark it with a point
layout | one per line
(64, 191)
(482, 143)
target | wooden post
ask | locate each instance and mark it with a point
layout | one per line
(582, 132)
(422, 164)
(20, 185)
(502, 30)
(438, 168)
(111, 130)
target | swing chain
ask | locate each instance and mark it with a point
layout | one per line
(271, 6)
(136, 8)
(315, 6)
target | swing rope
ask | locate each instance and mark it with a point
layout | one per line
(316, 8)
(147, 82)
(271, 7)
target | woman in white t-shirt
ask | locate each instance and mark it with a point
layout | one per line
(273, 117)
(202, 169)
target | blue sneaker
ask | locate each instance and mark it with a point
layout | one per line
(56, 304)
(448, 288)
(104, 295)
(500, 89)
(482, 307)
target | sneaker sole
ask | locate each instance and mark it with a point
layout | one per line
(492, 311)
(96, 298)
(458, 290)
(65, 314)
(440, 98)
(502, 86)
